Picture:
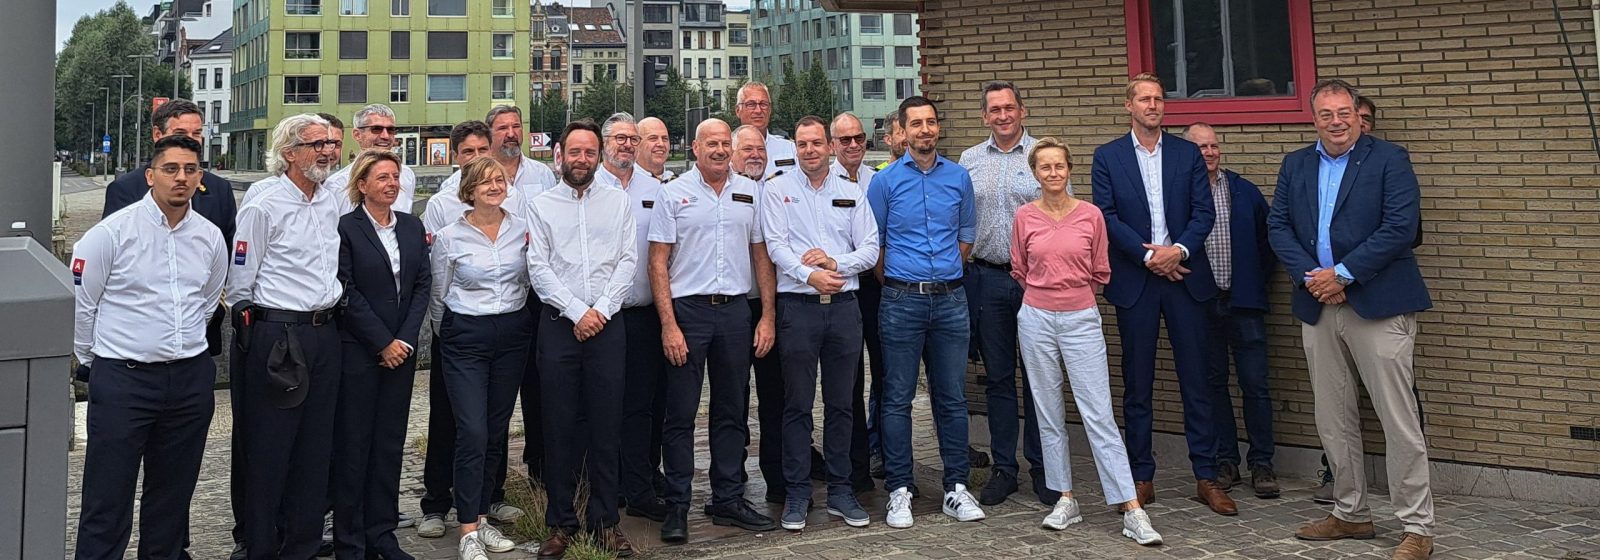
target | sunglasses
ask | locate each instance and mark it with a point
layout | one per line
(378, 129)
(848, 140)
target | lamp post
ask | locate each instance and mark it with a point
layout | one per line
(105, 162)
(177, 47)
(92, 140)
(122, 112)
(138, 127)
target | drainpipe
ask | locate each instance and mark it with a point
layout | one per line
(1594, 9)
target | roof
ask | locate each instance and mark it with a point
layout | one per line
(222, 44)
(594, 27)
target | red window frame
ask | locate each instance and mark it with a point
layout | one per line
(1294, 109)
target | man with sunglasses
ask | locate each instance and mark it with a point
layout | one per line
(375, 129)
(754, 108)
(849, 147)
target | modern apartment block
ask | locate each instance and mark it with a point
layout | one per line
(870, 58)
(435, 62)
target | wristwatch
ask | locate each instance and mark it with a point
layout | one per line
(1342, 280)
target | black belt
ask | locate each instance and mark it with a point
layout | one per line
(713, 299)
(315, 318)
(130, 364)
(942, 287)
(840, 297)
(997, 266)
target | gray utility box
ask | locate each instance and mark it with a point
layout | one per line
(35, 404)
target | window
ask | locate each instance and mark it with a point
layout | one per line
(202, 106)
(302, 45)
(399, 45)
(702, 66)
(353, 7)
(500, 43)
(536, 59)
(833, 26)
(738, 66)
(577, 73)
(872, 57)
(555, 59)
(216, 79)
(448, 87)
(816, 29)
(399, 88)
(447, 8)
(1226, 61)
(716, 40)
(300, 89)
(656, 13)
(902, 24)
(577, 97)
(714, 13)
(201, 83)
(716, 68)
(784, 34)
(611, 71)
(500, 87)
(903, 57)
(738, 34)
(904, 87)
(302, 7)
(700, 39)
(688, 40)
(447, 45)
(872, 90)
(216, 112)
(691, 12)
(400, 8)
(688, 68)
(657, 39)
(352, 45)
(502, 8)
(353, 88)
(871, 24)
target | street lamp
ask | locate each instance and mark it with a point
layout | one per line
(177, 47)
(90, 126)
(138, 127)
(122, 112)
(105, 162)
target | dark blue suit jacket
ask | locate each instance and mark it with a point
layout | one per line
(1252, 253)
(1186, 194)
(215, 203)
(377, 314)
(1374, 224)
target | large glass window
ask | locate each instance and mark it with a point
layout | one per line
(353, 7)
(447, 45)
(872, 57)
(902, 24)
(872, 90)
(502, 8)
(301, 89)
(401, 8)
(501, 45)
(871, 24)
(447, 87)
(904, 57)
(399, 88)
(352, 45)
(302, 45)
(353, 88)
(500, 86)
(657, 13)
(399, 45)
(301, 7)
(1226, 61)
(447, 8)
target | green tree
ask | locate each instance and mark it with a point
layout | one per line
(602, 97)
(729, 98)
(789, 101)
(818, 92)
(98, 49)
(668, 103)
(549, 113)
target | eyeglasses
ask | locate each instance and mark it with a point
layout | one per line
(378, 129)
(626, 139)
(848, 140)
(320, 145)
(172, 169)
(754, 105)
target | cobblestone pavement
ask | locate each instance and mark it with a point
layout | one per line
(1471, 528)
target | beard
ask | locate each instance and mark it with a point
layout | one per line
(617, 161)
(317, 172)
(510, 148)
(572, 177)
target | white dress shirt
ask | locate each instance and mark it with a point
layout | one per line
(341, 199)
(408, 185)
(391, 243)
(286, 248)
(144, 291)
(582, 254)
(473, 275)
(1154, 196)
(710, 234)
(445, 206)
(643, 192)
(533, 177)
(780, 155)
(797, 217)
(864, 173)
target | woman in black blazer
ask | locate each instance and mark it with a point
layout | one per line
(383, 264)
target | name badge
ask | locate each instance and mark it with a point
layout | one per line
(844, 203)
(783, 162)
(745, 198)
(647, 203)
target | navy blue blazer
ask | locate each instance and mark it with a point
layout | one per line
(1253, 260)
(1374, 223)
(214, 202)
(1186, 194)
(377, 314)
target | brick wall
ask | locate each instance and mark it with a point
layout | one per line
(1480, 92)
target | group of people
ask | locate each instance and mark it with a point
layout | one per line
(605, 293)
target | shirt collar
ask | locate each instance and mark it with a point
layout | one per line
(1140, 147)
(572, 192)
(1325, 157)
(1022, 144)
(153, 211)
(374, 219)
(906, 159)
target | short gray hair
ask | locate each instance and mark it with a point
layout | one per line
(625, 118)
(285, 136)
(1000, 85)
(742, 128)
(1335, 85)
(739, 98)
(891, 119)
(375, 109)
(501, 110)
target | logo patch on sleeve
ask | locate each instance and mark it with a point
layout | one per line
(77, 272)
(240, 250)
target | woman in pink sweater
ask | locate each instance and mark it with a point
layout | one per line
(1058, 254)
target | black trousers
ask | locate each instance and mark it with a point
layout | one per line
(646, 368)
(585, 377)
(828, 335)
(439, 462)
(288, 452)
(769, 408)
(485, 358)
(374, 403)
(532, 404)
(151, 414)
(718, 337)
(865, 440)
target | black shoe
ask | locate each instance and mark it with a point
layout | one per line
(740, 514)
(876, 466)
(676, 528)
(239, 552)
(1046, 495)
(1001, 484)
(1264, 481)
(653, 509)
(977, 459)
(1227, 475)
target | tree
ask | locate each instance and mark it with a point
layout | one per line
(729, 98)
(549, 113)
(668, 104)
(789, 101)
(602, 97)
(98, 49)
(818, 91)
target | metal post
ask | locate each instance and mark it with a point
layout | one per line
(635, 61)
(122, 113)
(93, 141)
(105, 161)
(138, 117)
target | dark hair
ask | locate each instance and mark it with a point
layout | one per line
(1364, 101)
(461, 131)
(812, 120)
(577, 125)
(1000, 85)
(914, 101)
(175, 108)
(1335, 85)
(332, 120)
(175, 142)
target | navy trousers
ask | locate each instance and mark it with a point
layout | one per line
(485, 358)
(1244, 331)
(1140, 327)
(769, 409)
(868, 439)
(532, 415)
(718, 337)
(439, 463)
(374, 403)
(151, 414)
(826, 335)
(646, 370)
(582, 376)
(998, 298)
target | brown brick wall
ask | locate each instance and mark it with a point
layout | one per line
(1481, 94)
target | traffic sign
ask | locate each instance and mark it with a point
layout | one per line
(105, 144)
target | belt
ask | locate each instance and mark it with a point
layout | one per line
(840, 297)
(315, 318)
(942, 287)
(997, 266)
(130, 364)
(713, 299)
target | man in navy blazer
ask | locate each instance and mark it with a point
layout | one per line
(1241, 261)
(1343, 219)
(1151, 186)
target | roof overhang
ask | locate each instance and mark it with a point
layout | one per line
(897, 6)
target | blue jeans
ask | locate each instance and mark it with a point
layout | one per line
(999, 299)
(930, 328)
(1244, 331)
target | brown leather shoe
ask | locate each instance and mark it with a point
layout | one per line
(1414, 547)
(556, 545)
(613, 540)
(1215, 497)
(1333, 528)
(1146, 492)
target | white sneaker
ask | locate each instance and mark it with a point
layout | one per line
(1136, 526)
(471, 548)
(493, 540)
(432, 526)
(502, 512)
(960, 504)
(1065, 513)
(327, 528)
(900, 509)
(404, 521)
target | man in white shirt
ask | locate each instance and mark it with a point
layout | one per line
(849, 146)
(656, 146)
(753, 106)
(146, 281)
(375, 130)
(282, 289)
